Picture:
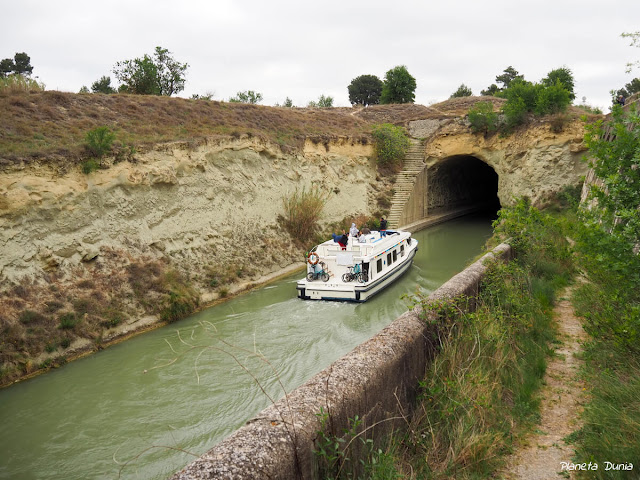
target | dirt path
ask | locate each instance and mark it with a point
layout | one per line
(562, 396)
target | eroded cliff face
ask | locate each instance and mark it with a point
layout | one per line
(215, 204)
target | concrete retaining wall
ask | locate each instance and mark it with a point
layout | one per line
(377, 381)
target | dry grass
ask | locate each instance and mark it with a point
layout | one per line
(52, 125)
(48, 317)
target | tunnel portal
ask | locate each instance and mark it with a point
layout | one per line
(459, 181)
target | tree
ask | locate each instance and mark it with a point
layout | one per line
(633, 86)
(103, 85)
(6, 67)
(463, 91)
(616, 163)
(19, 65)
(160, 75)
(398, 87)
(248, 96)
(365, 90)
(171, 74)
(490, 91)
(323, 102)
(510, 74)
(22, 64)
(564, 76)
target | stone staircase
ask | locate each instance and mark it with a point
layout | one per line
(413, 165)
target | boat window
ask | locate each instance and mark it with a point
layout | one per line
(402, 250)
(395, 256)
(388, 259)
(379, 265)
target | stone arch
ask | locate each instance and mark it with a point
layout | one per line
(461, 181)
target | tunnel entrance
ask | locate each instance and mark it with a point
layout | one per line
(461, 181)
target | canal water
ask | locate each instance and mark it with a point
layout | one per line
(148, 406)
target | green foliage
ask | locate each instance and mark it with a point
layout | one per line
(323, 102)
(564, 76)
(302, 211)
(68, 320)
(390, 144)
(398, 86)
(491, 90)
(481, 388)
(19, 65)
(248, 96)
(509, 75)
(552, 99)
(617, 164)
(365, 90)
(99, 141)
(160, 75)
(525, 97)
(103, 85)
(288, 103)
(463, 91)
(482, 118)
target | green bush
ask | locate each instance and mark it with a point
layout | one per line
(99, 141)
(482, 118)
(68, 320)
(390, 145)
(552, 99)
(90, 166)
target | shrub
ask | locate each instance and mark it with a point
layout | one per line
(302, 210)
(552, 99)
(482, 118)
(68, 320)
(90, 166)
(390, 145)
(100, 140)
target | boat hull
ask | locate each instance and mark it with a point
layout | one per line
(353, 292)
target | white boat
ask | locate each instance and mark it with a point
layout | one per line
(356, 273)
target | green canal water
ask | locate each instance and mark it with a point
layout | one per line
(148, 406)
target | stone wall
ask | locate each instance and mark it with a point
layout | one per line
(377, 381)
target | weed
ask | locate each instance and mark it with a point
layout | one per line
(68, 321)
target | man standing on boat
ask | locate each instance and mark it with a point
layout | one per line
(383, 227)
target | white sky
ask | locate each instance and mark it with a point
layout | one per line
(301, 50)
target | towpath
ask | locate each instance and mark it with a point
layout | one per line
(544, 451)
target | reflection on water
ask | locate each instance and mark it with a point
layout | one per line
(205, 375)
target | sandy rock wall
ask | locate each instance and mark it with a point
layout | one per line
(216, 203)
(534, 162)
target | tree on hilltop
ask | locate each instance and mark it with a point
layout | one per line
(248, 96)
(157, 75)
(564, 76)
(463, 91)
(103, 85)
(19, 65)
(398, 87)
(365, 90)
(509, 75)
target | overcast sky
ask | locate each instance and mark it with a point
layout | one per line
(302, 50)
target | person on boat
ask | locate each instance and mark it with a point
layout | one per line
(341, 240)
(353, 231)
(365, 230)
(383, 227)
